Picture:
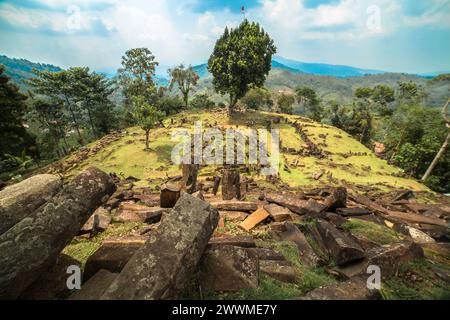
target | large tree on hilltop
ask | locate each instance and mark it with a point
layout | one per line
(185, 79)
(241, 58)
(136, 75)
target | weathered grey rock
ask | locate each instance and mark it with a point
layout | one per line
(419, 236)
(279, 270)
(340, 246)
(352, 212)
(161, 268)
(31, 246)
(21, 199)
(95, 287)
(277, 212)
(289, 232)
(231, 187)
(99, 221)
(337, 199)
(228, 268)
(238, 241)
(233, 216)
(111, 257)
(334, 218)
(296, 203)
(354, 289)
(390, 257)
(235, 205)
(170, 193)
(266, 254)
(51, 284)
(131, 212)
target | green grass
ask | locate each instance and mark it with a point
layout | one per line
(427, 285)
(82, 248)
(131, 159)
(372, 231)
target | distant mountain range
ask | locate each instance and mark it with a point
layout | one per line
(331, 81)
(21, 69)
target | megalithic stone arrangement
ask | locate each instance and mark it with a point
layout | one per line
(32, 245)
(161, 268)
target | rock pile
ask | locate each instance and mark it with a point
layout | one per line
(189, 237)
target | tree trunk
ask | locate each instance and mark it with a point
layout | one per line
(74, 120)
(186, 100)
(436, 159)
(92, 123)
(147, 132)
(233, 101)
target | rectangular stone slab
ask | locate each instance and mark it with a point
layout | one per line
(167, 261)
(254, 219)
(295, 203)
(340, 246)
(235, 205)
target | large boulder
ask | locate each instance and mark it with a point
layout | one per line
(163, 266)
(338, 245)
(231, 187)
(228, 268)
(289, 232)
(32, 245)
(21, 199)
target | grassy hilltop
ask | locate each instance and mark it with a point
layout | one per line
(346, 160)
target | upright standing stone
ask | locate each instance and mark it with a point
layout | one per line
(337, 199)
(170, 257)
(217, 180)
(21, 199)
(170, 194)
(189, 179)
(231, 187)
(32, 245)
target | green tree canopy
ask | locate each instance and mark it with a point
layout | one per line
(185, 79)
(241, 58)
(307, 97)
(202, 101)
(258, 98)
(136, 75)
(146, 116)
(285, 102)
(14, 139)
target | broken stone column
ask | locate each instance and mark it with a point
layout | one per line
(170, 193)
(217, 180)
(161, 268)
(21, 199)
(189, 179)
(231, 187)
(32, 245)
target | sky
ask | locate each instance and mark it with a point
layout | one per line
(391, 35)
